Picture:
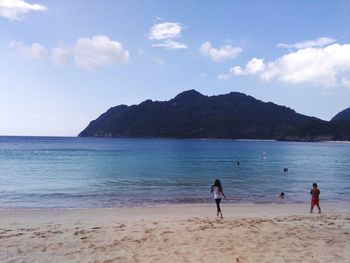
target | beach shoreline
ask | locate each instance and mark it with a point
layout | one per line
(190, 209)
(177, 233)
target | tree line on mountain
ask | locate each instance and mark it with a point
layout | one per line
(231, 116)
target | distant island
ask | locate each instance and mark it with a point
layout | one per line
(231, 116)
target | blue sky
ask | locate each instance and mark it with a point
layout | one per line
(63, 63)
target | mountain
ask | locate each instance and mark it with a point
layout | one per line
(193, 115)
(343, 115)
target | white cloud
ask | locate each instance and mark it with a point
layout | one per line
(15, 9)
(223, 53)
(170, 44)
(157, 18)
(165, 31)
(87, 53)
(60, 55)
(255, 65)
(345, 82)
(98, 51)
(224, 76)
(320, 42)
(324, 66)
(237, 70)
(34, 51)
(158, 61)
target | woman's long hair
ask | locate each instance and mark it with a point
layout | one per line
(218, 184)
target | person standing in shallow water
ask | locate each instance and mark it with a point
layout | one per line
(216, 189)
(315, 198)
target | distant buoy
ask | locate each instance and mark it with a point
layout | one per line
(285, 170)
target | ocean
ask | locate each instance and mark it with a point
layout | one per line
(61, 172)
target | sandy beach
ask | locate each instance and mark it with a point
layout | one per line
(177, 233)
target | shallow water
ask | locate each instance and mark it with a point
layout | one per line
(45, 172)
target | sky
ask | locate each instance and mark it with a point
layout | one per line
(63, 63)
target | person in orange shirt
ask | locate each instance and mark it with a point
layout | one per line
(315, 198)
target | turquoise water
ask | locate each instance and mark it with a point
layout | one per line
(46, 172)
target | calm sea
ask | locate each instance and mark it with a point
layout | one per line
(53, 172)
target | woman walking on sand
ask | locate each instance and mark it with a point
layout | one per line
(217, 190)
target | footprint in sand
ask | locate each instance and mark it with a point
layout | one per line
(55, 232)
(120, 226)
(167, 232)
(79, 232)
(126, 238)
(15, 235)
